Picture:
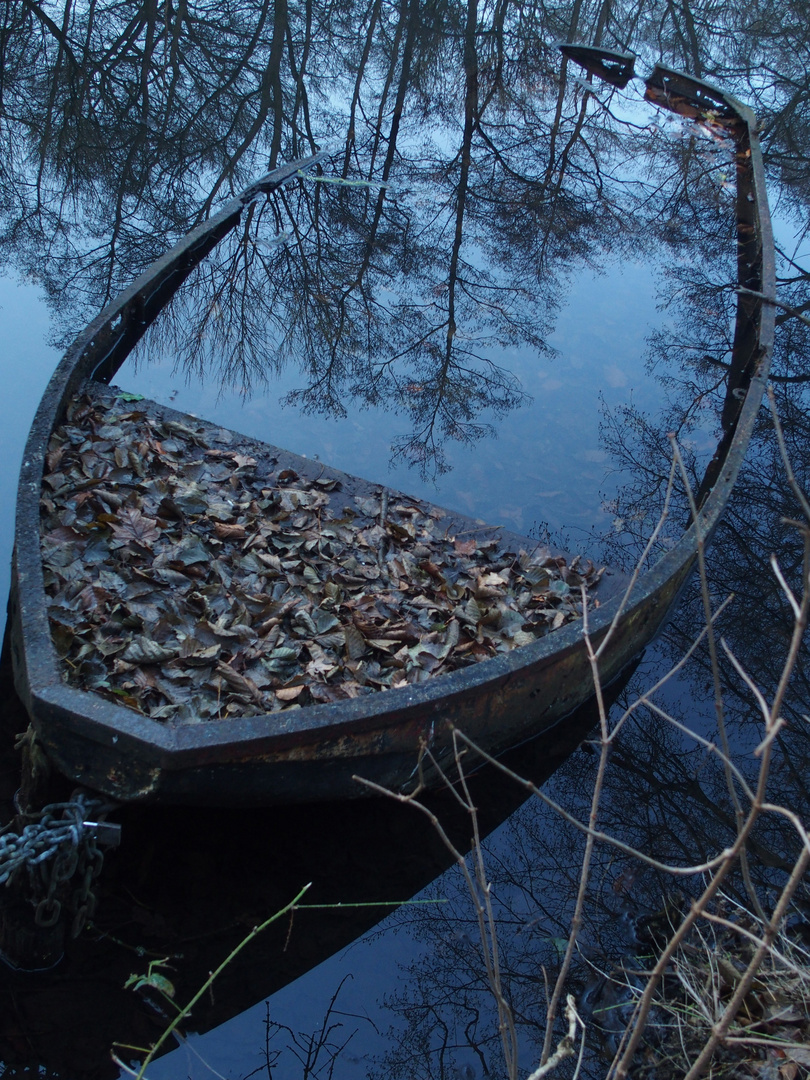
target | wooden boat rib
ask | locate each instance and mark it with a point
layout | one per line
(314, 752)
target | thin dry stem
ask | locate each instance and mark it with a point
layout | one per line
(489, 937)
(480, 893)
(576, 920)
(801, 498)
(764, 707)
(715, 667)
(774, 1044)
(645, 698)
(606, 838)
(640, 561)
(622, 1062)
(706, 999)
(786, 589)
(565, 1047)
(799, 628)
(755, 939)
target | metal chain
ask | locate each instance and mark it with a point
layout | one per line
(63, 842)
(83, 900)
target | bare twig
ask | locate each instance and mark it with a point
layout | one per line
(718, 691)
(565, 1047)
(793, 312)
(480, 893)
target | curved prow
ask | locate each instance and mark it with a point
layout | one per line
(606, 64)
(694, 98)
(686, 94)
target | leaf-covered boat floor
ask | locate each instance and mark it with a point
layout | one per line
(193, 574)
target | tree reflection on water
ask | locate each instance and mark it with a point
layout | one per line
(476, 143)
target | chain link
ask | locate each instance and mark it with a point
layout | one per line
(61, 844)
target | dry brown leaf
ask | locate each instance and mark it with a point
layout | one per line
(240, 683)
(135, 528)
(355, 642)
(464, 547)
(289, 693)
(229, 532)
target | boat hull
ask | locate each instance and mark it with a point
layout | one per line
(319, 751)
(274, 759)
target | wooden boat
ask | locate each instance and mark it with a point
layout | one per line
(315, 752)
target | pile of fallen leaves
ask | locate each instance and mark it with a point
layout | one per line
(196, 574)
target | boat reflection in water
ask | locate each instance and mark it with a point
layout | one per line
(188, 884)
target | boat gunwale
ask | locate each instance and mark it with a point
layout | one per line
(173, 745)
